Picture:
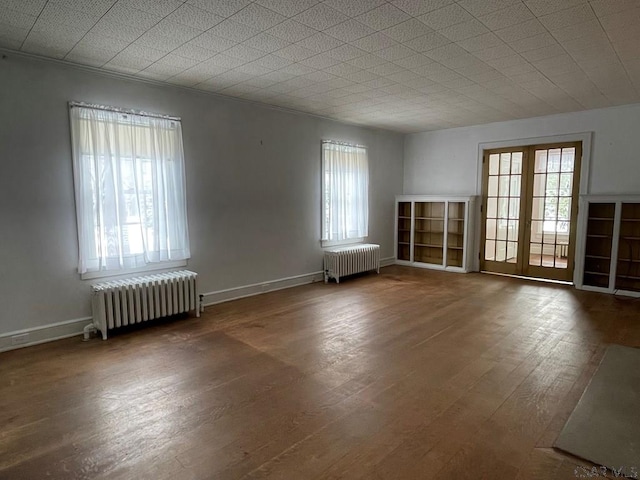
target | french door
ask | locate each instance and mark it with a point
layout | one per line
(529, 210)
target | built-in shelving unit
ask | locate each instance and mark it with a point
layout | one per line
(438, 233)
(628, 267)
(599, 240)
(403, 231)
(610, 261)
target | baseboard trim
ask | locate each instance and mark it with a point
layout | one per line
(385, 262)
(235, 293)
(46, 333)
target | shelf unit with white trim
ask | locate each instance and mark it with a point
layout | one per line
(609, 259)
(434, 231)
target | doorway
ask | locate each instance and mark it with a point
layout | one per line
(529, 210)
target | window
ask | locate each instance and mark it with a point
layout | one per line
(345, 193)
(130, 190)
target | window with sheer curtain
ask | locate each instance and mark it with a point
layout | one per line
(130, 190)
(345, 193)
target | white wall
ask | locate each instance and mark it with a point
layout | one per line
(253, 178)
(446, 161)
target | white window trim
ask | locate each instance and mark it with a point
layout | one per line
(337, 243)
(126, 272)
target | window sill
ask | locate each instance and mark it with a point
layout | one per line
(340, 243)
(130, 271)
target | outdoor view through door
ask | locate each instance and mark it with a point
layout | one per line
(529, 210)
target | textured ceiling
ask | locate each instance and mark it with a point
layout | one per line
(404, 65)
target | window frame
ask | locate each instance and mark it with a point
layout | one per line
(326, 242)
(179, 216)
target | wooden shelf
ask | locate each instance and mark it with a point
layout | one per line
(427, 245)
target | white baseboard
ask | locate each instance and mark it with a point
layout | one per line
(47, 333)
(385, 262)
(219, 296)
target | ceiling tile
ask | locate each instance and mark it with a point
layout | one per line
(224, 8)
(420, 7)
(413, 61)
(291, 31)
(273, 62)
(244, 52)
(408, 30)
(519, 31)
(553, 50)
(484, 7)
(464, 30)
(123, 15)
(445, 17)
(428, 42)
(346, 52)
(342, 69)
(532, 43)
(609, 7)
(27, 7)
(320, 17)
(366, 61)
(295, 53)
(349, 30)
(194, 17)
(384, 16)
(320, 61)
(571, 16)
(354, 8)
(234, 31)
(266, 42)
(194, 52)
(395, 53)
(176, 61)
(506, 17)
(374, 42)
(212, 42)
(544, 7)
(158, 7)
(258, 17)
(480, 42)
(320, 42)
(448, 51)
(287, 7)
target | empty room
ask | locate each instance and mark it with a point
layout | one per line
(319, 239)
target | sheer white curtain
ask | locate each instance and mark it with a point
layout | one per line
(346, 193)
(130, 189)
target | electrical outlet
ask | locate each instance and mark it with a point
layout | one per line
(20, 339)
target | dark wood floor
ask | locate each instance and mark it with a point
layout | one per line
(410, 374)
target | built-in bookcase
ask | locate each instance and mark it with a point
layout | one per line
(611, 253)
(403, 231)
(433, 232)
(628, 267)
(599, 240)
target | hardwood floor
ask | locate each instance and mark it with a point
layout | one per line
(411, 374)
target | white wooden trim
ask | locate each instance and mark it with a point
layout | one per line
(45, 333)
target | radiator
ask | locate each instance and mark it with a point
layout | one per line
(342, 261)
(126, 302)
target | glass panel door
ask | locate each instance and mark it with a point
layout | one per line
(550, 217)
(530, 209)
(503, 187)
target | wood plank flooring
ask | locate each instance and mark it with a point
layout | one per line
(410, 374)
